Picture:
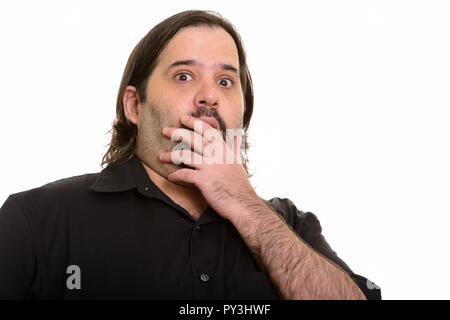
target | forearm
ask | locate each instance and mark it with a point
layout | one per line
(296, 270)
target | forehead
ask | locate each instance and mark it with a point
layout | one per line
(206, 44)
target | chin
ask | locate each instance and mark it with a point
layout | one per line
(168, 168)
(171, 168)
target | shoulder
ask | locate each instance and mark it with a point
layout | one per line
(289, 211)
(305, 223)
(58, 187)
(57, 193)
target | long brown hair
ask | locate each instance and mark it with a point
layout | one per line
(143, 60)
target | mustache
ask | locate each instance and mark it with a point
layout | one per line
(210, 112)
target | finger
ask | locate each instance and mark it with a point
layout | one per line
(184, 175)
(187, 157)
(234, 144)
(196, 124)
(203, 128)
(189, 137)
(237, 142)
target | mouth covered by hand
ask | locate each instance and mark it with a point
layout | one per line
(210, 163)
(211, 117)
(200, 137)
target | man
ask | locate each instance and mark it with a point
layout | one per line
(171, 216)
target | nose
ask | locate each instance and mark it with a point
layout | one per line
(207, 96)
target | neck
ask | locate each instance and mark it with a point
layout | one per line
(189, 198)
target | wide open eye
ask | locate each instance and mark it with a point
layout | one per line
(225, 82)
(183, 76)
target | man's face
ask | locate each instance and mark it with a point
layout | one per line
(197, 74)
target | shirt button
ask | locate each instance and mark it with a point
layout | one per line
(146, 188)
(197, 228)
(204, 277)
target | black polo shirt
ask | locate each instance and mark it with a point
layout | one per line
(116, 235)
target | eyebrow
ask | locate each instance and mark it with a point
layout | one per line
(190, 62)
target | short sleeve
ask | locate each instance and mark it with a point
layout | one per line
(308, 227)
(17, 259)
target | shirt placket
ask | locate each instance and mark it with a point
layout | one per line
(204, 243)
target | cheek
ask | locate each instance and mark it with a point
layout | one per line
(238, 114)
(163, 112)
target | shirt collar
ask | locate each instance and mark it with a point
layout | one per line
(131, 174)
(128, 175)
(125, 176)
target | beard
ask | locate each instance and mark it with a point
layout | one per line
(150, 141)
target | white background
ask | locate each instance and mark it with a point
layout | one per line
(351, 117)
